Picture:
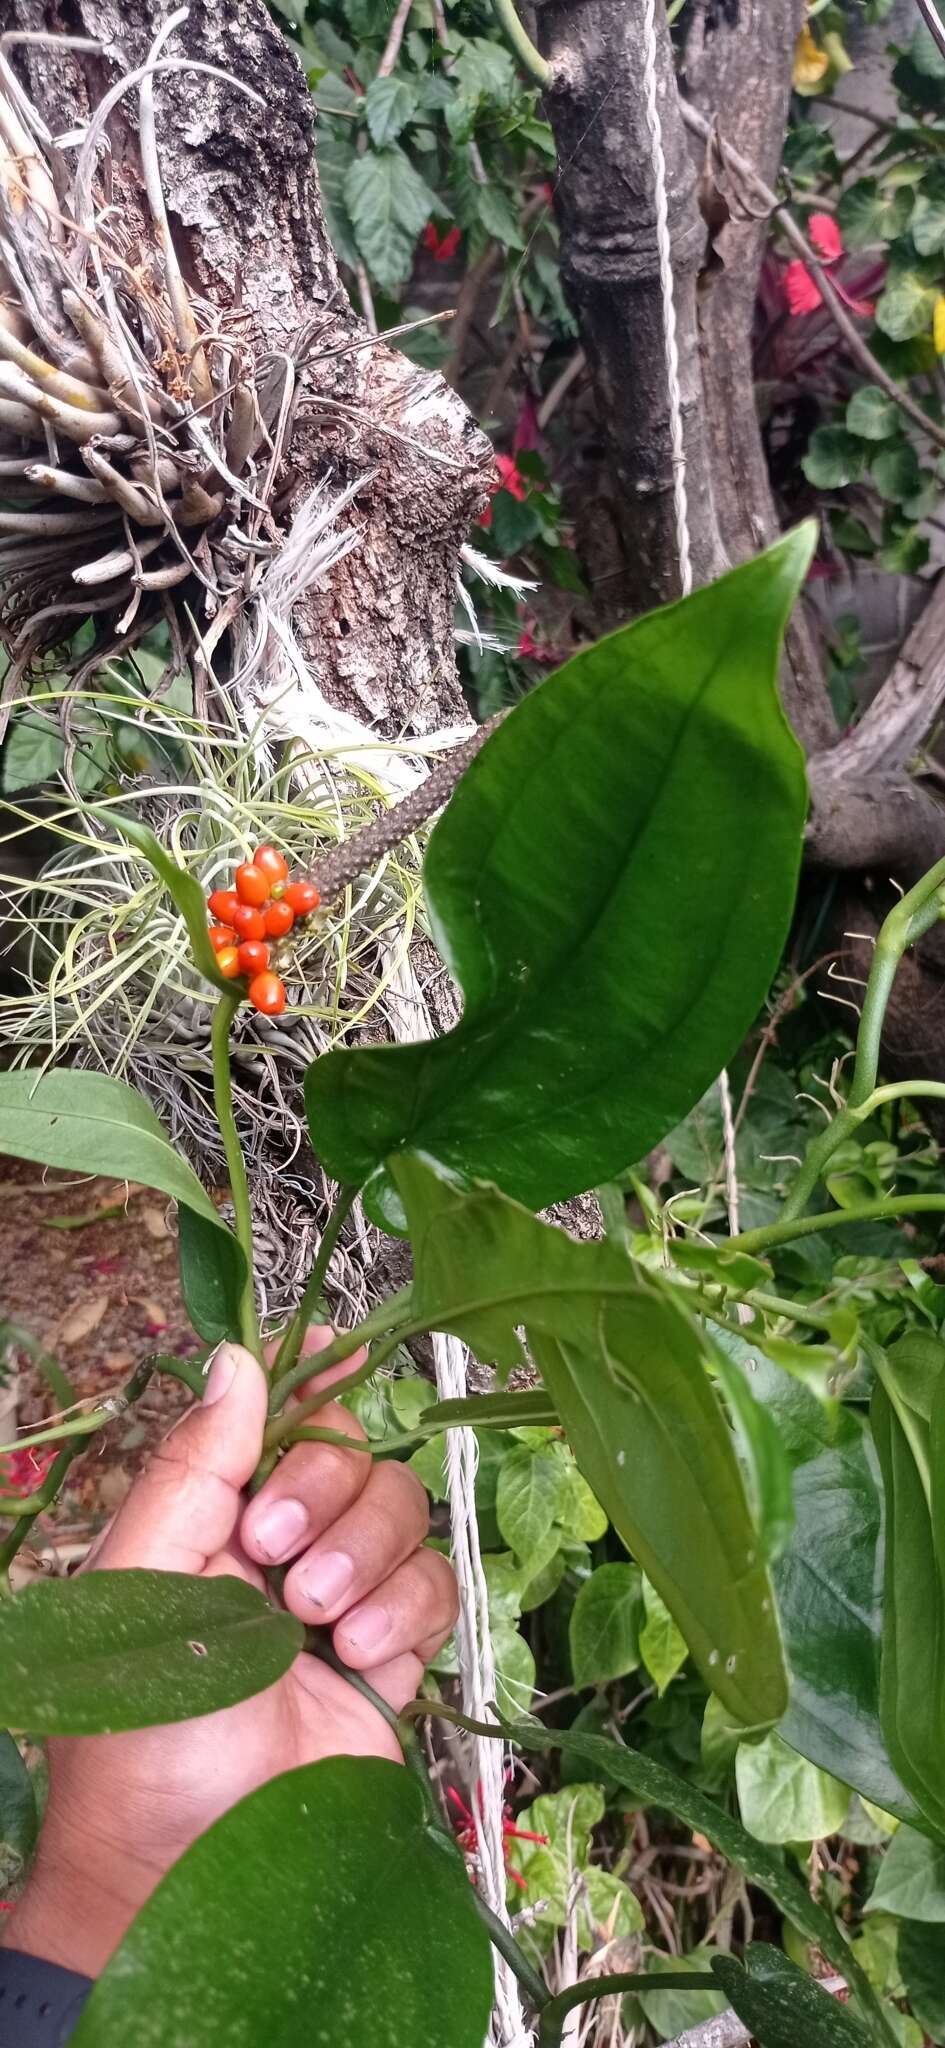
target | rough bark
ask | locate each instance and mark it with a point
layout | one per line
(610, 268)
(245, 213)
(737, 70)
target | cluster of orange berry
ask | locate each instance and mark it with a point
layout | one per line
(261, 907)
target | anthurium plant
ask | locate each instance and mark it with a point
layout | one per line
(611, 887)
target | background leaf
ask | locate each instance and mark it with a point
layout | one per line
(922, 1963)
(132, 1649)
(911, 1880)
(662, 1648)
(605, 1623)
(626, 847)
(19, 1821)
(368, 1895)
(783, 1798)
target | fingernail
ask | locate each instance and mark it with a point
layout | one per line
(367, 1629)
(280, 1527)
(220, 1377)
(326, 1579)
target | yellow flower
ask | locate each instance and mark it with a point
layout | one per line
(810, 61)
(938, 324)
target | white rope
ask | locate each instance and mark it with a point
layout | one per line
(668, 292)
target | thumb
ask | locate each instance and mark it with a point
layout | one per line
(185, 1506)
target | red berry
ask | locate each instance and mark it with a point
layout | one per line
(223, 904)
(253, 956)
(302, 897)
(267, 993)
(221, 935)
(272, 862)
(228, 963)
(280, 918)
(249, 923)
(252, 885)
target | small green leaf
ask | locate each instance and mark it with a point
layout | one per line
(604, 1626)
(763, 1456)
(733, 1269)
(368, 1893)
(911, 1880)
(872, 415)
(907, 304)
(870, 213)
(834, 458)
(896, 472)
(389, 104)
(655, 768)
(514, 1669)
(673, 2012)
(499, 217)
(783, 1798)
(580, 1515)
(389, 205)
(19, 1821)
(662, 1648)
(527, 1498)
(132, 1649)
(783, 2005)
(922, 1964)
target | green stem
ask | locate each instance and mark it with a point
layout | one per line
(822, 1148)
(61, 1387)
(291, 1345)
(531, 59)
(377, 1324)
(886, 1209)
(282, 1426)
(24, 1523)
(551, 2026)
(223, 1015)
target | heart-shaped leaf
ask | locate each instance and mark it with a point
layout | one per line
(629, 1374)
(133, 1649)
(94, 1123)
(610, 885)
(323, 1907)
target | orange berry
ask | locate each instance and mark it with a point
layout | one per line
(302, 897)
(223, 904)
(228, 963)
(249, 923)
(280, 918)
(252, 885)
(221, 935)
(267, 993)
(272, 862)
(253, 956)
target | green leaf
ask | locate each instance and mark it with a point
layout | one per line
(904, 553)
(133, 1649)
(834, 458)
(927, 226)
(19, 1821)
(911, 1881)
(912, 1670)
(907, 304)
(896, 472)
(654, 770)
(763, 1456)
(673, 2012)
(389, 104)
(604, 1626)
(500, 217)
(368, 1893)
(872, 415)
(628, 1374)
(734, 1269)
(503, 1410)
(566, 1819)
(389, 205)
(662, 1648)
(212, 1272)
(486, 69)
(922, 1965)
(652, 1784)
(870, 213)
(527, 1499)
(783, 2005)
(782, 1797)
(181, 885)
(580, 1514)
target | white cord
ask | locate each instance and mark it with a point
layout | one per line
(668, 292)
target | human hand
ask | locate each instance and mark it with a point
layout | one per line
(123, 1808)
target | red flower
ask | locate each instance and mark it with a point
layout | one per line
(512, 480)
(826, 236)
(441, 247)
(23, 1471)
(802, 291)
(468, 1836)
(527, 430)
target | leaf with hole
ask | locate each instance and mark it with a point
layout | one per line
(133, 1649)
(369, 1891)
(626, 846)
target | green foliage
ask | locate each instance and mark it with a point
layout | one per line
(911, 1881)
(605, 1625)
(782, 1798)
(607, 1909)
(655, 765)
(367, 1895)
(780, 2003)
(19, 1820)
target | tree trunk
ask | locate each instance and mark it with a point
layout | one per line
(610, 269)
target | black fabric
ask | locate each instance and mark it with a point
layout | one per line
(40, 2003)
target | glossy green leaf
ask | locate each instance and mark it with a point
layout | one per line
(628, 1373)
(734, 1269)
(626, 848)
(783, 2005)
(132, 1649)
(369, 1894)
(922, 1964)
(183, 888)
(19, 1821)
(503, 1410)
(911, 1880)
(662, 1648)
(652, 1784)
(527, 1499)
(605, 1624)
(912, 1668)
(94, 1123)
(782, 1797)
(764, 1459)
